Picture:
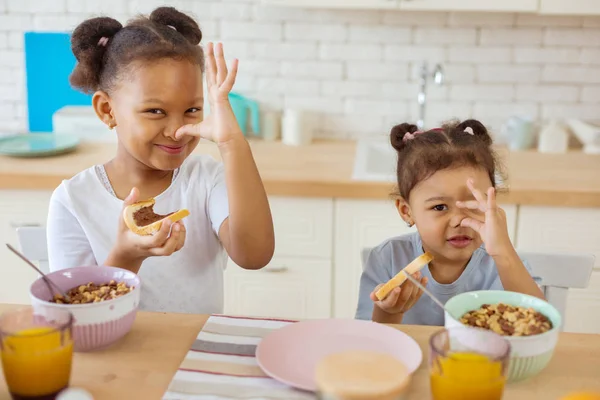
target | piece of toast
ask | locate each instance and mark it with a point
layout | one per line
(415, 265)
(150, 229)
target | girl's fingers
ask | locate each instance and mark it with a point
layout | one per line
(471, 205)
(159, 238)
(169, 247)
(230, 79)
(472, 223)
(491, 200)
(476, 192)
(182, 235)
(211, 65)
(221, 64)
(373, 296)
(391, 299)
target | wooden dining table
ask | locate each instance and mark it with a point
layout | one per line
(142, 364)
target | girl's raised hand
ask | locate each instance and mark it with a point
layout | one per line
(221, 125)
(487, 219)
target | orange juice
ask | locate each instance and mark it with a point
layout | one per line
(466, 376)
(37, 362)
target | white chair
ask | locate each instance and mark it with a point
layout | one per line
(32, 240)
(559, 272)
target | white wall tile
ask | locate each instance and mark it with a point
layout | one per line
(500, 110)
(549, 20)
(354, 125)
(3, 40)
(462, 19)
(7, 110)
(454, 73)
(414, 53)
(590, 56)
(249, 31)
(312, 69)
(410, 18)
(583, 111)
(231, 11)
(409, 91)
(15, 40)
(547, 93)
(285, 51)
(378, 34)
(329, 104)
(350, 88)
(590, 94)
(506, 36)
(6, 75)
(41, 6)
(472, 54)
(109, 7)
(479, 92)
(286, 86)
(572, 37)
(15, 22)
(537, 55)
(570, 74)
(373, 107)
(438, 112)
(12, 58)
(364, 70)
(259, 68)
(349, 52)
(445, 36)
(324, 32)
(508, 73)
(3, 6)
(348, 16)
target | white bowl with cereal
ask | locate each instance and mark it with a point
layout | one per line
(104, 303)
(531, 325)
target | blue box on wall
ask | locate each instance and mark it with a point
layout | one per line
(48, 64)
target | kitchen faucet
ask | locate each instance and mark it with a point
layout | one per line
(438, 79)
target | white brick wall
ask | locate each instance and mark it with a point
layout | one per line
(357, 70)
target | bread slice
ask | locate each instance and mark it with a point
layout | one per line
(415, 265)
(141, 218)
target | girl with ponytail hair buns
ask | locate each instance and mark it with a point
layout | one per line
(147, 82)
(447, 192)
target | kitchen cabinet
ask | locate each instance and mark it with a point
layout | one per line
(289, 287)
(574, 230)
(347, 4)
(570, 7)
(470, 5)
(18, 208)
(361, 224)
(297, 283)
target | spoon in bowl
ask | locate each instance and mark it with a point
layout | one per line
(47, 280)
(428, 293)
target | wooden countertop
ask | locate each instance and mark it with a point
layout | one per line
(142, 364)
(324, 169)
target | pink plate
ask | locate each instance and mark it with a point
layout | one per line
(290, 354)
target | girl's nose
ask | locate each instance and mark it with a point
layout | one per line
(457, 216)
(172, 127)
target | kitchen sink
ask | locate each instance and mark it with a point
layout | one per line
(375, 160)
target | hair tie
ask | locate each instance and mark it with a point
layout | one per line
(172, 27)
(469, 130)
(103, 41)
(410, 136)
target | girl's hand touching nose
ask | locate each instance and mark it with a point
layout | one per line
(487, 219)
(221, 125)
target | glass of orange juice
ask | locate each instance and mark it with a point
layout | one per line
(36, 352)
(468, 364)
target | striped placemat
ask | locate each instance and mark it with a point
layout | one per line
(221, 363)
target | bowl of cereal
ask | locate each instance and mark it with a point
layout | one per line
(103, 301)
(531, 325)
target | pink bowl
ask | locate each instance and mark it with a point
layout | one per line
(96, 325)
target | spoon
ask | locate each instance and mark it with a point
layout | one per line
(428, 293)
(48, 281)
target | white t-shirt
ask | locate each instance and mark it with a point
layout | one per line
(82, 228)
